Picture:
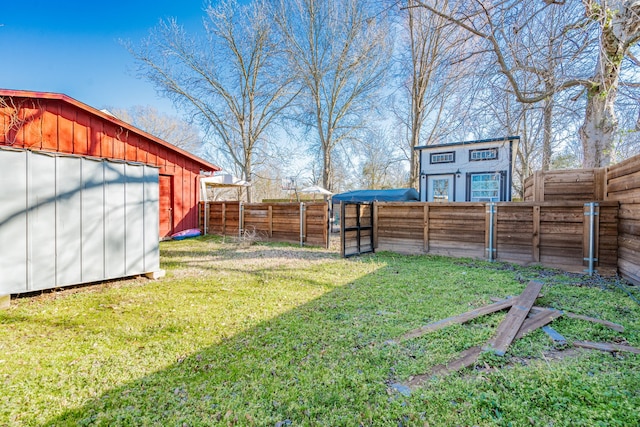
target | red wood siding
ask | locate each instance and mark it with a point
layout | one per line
(53, 122)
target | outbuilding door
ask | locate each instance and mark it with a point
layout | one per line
(440, 188)
(166, 205)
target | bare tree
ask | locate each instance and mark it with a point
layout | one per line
(165, 126)
(230, 81)
(380, 165)
(616, 25)
(338, 51)
(435, 74)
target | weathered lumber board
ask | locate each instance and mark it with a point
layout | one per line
(508, 329)
(611, 325)
(555, 336)
(603, 346)
(467, 358)
(539, 319)
(460, 318)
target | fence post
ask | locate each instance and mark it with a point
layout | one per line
(302, 218)
(240, 219)
(425, 233)
(374, 224)
(535, 244)
(224, 219)
(591, 229)
(207, 209)
(490, 231)
(270, 219)
(328, 227)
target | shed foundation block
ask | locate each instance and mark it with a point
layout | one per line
(5, 301)
(154, 275)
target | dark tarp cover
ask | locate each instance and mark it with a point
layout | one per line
(392, 195)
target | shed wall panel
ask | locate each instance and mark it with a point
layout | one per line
(68, 218)
(134, 214)
(115, 227)
(13, 221)
(42, 203)
(92, 220)
(73, 220)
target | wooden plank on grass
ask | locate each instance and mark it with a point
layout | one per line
(615, 326)
(538, 320)
(604, 346)
(461, 318)
(508, 329)
(611, 325)
(467, 358)
(555, 336)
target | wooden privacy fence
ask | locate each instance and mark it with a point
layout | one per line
(574, 236)
(623, 186)
(304, 223)
(559, 185)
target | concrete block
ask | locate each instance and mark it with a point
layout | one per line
(5, 301)
(153, 275)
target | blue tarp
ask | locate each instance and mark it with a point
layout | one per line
(393, 195)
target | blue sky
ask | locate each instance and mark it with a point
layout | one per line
(72, 47)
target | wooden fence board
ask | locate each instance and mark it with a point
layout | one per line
(508, 329)
(276, 221)
(460, 318)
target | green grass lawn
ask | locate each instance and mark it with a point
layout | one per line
(277, 335)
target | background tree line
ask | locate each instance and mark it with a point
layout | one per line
(339, 92)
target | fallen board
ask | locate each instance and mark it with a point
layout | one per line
(538, 320)
(466, 359)
(611, 325)
(604, 346)
(460, 318)
(470, 356)
(555, 336)
(508, 329)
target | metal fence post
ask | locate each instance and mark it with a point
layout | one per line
(491, 243)
(302, 209)
(592, 238)
(240, 219)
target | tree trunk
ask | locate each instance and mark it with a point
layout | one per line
(326, 170)
(619, 26)
(547, 132)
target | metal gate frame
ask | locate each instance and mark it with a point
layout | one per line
(358, 228)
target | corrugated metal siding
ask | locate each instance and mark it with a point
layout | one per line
(67, 220)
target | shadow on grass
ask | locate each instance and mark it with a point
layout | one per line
(310, 365)
(327, 362)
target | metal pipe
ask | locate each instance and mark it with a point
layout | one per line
(491, 250)
(302, 209)
(592, 240)
(240, 220)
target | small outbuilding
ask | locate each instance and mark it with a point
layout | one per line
(467, 171)
(84, 196)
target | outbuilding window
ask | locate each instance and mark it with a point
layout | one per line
(483, 154)
(448, 157)
(485, 187)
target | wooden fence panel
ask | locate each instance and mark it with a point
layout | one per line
(555, 234)
(268, 221)
(560, 185)
(623, 186)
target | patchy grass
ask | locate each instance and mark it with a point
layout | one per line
(277, 335)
